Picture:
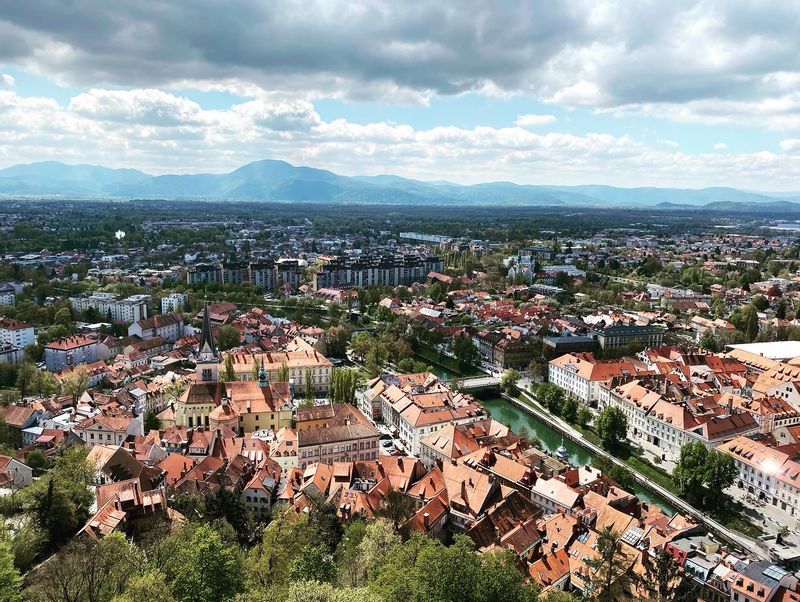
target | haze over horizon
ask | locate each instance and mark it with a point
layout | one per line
(682, 95)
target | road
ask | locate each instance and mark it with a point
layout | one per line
(738, 539)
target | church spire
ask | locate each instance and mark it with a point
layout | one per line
(207, 344)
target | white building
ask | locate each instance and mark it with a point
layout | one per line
(70, 351)
(168, 326)
(132, 309)
(16, 333)
(8, 295)
(581, 375)
(174, 302)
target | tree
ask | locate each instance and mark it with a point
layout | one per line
(151, 585)
(230, 507)
(37, 462)
(10, 579)
(709, 342)
(282, 540)
(609, 579)
(26, 377)
(465, 351)
(702, 475)
(751, 324)
(63, 318)
(228, 337)
(665, 580)
(690, 473)
(500, 580)
(314, 591)
(552, 396)
(344, 382)
(45, 384)
(583, 417)
(308, 389)
(76, 382)
(397, 508)
(509, 380)
(622, 476)
(569, 411)
(612, 426)
(282, 373)
(206, 568)
(151, 422)
(228, 372)
(256, 370)
(313, 563)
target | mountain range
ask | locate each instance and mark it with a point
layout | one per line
(271, 180)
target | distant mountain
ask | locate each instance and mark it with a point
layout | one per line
(271, 180)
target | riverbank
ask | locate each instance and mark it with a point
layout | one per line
(674, 502)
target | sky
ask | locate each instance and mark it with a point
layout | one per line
(639, 93)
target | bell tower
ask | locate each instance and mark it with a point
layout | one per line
(207, 366)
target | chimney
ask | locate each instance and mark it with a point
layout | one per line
(426, 520)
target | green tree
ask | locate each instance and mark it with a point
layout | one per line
(63, 318)
(701, 475)
(37, 462)
(314, 591)
(499, 580)
(207, 569)
(230, 507)
(665, 580)
(583, 417)
(282, 373)
(623, 477)
(308, 389)
(283, 539)
(751, 324)
(509, 380)
(609, 577)
(76, 382)
(256, 370)
(151, 422)
(690, 473)
(465, 351)
(313, 563)
(10, 579)
(612, 426)
(228, 337)
(552, 396)
(26, 377)
(151, 585)
(228, 372)
(569, 411)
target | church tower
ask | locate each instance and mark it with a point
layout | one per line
(207, 366)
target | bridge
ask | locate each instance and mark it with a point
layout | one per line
(467, 383)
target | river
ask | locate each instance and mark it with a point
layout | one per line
(512, 416)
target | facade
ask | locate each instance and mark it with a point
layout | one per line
(344, 443)
(613, 337)
(262, 275)
(289, 273)
(379, 270)
(70, 351)
(298, 363)
(663, 426)
(14, 332)
(174, 303)
(132, 309)
(204, 273)
(168, 326)
(8, 294)
(581, 375)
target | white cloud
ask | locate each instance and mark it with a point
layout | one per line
(6, 81)
(720, 146)
(532, 120)
(160, 132)
(667, 142)
(790, 144)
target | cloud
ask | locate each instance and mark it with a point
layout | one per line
(166, 133)
(790, 144)
(6, 81)
(720, 146)
(532, 120)
(717, 60)
(670, 143)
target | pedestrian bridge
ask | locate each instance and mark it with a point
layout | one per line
(473, 382)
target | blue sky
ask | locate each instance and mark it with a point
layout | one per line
(631, 94)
